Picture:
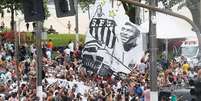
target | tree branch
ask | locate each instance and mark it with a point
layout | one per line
(125, 5)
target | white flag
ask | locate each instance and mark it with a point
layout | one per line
(113, 43)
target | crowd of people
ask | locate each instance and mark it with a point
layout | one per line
(65, 79)
(178, 73)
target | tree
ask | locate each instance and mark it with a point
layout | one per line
(193, 5)
(47, 13)
(84, 4)
(131, 10)
(13, 6)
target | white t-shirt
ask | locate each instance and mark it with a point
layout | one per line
(9, 75)
(67, 51)
(71, 46)
(48, 53)
(84, 98)
(192, 74)
(23, 98)
(33, 50)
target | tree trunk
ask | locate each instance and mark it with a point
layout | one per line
(133, 12)
(194, 7)
(12, 18)
(2, 14)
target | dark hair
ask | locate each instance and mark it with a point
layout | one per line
(78, 95)
(24, 94)
(14, 94)
(56, 93)
(65, 92)
(75, 86)
(142, 60)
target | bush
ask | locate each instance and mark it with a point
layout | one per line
(63, 39)
(5, 30)
(58, 39)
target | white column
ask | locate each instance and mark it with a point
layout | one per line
(154, 96)
(39, 92)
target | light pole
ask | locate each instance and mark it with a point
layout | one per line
(17, 43)
(153, 52)
(76, 23)
(38, 29)
(17, 57)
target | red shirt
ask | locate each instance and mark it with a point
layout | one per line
(50, 45)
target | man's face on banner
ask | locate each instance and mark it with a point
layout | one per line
(129, 34)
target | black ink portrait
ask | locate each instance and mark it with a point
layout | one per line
(129, 34)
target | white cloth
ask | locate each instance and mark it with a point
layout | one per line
(116, 43)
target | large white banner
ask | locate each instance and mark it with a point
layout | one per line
(113, 43)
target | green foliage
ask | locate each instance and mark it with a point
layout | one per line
(17, 6)
(63, 39)
(8, 4)
(84, 4)
(5, 30)
(47, 13)
(170, 3)
(193, 5)
(58, 39)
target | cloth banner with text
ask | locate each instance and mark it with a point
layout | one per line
(113, 43)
